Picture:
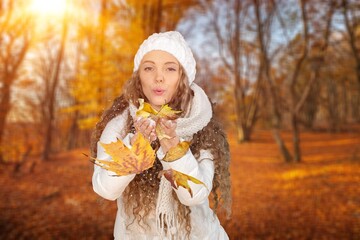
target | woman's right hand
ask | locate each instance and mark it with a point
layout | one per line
(146, 126)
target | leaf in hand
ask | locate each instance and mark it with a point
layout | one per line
(177, 151)
(126, 160)
(160, 133)
(180, 179)
(167, 112)
(145, 110)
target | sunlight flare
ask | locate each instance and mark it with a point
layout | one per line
(46, 7)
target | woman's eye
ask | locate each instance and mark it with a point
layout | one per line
(148, 69)
(171, 69)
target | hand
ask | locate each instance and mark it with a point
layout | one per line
(146, 127)
(168, 127)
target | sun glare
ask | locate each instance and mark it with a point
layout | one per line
(48, 7)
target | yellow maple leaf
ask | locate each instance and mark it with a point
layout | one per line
(177, 151)
(146, 110)
(126, 160)
(160, 133)
(177, 179)
(167, 112)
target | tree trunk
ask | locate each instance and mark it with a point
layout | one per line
(352, 41)
(158, 15)
(296, 139)
(281, 145)
(332, 106)
(73, 132)
(11, 66)
(4, 110)
(243, 133)
(265, 71)
(52, 97)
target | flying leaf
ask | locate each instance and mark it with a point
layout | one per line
(177, 151)
(177, 179)
(126, 160)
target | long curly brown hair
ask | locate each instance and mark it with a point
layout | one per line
(140, 195)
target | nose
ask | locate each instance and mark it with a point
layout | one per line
(159, 76)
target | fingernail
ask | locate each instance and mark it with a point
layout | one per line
(152, 122)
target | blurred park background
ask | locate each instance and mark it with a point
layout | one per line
(284, 74)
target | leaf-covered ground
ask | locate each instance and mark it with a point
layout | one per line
(317, 199)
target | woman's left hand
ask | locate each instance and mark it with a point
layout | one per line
(168, 127)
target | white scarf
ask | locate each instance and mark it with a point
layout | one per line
(196, 119)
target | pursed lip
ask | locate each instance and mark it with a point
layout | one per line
(158, 91)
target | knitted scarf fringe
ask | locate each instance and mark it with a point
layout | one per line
(166, 221)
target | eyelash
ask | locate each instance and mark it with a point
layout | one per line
(171, 69)
(148, 69)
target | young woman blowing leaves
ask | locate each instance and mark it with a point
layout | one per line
(148, 206)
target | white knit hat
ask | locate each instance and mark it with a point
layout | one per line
(172, 42)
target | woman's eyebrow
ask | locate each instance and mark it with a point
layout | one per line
(171, 63)
(148, 61)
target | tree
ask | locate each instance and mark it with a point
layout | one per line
(309, 51)
(229, 22)
(15, 40)
(159, 15)
(352, 24)
(106, 46)
(263, 30)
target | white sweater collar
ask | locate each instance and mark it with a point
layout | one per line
(198, 117)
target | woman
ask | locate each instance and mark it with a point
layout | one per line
(148, 206)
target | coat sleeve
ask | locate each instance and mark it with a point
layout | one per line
(201, 169)
(104, 182)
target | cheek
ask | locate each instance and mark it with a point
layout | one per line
(144, 87)
(175, 84)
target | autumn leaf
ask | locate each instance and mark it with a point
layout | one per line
(167, 112)
(126, 160)
(177, 151)
(160, 133)
(146, 110)
(177, 179)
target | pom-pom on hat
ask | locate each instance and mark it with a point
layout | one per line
(172, 42)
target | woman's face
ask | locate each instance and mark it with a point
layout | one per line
(159, 77)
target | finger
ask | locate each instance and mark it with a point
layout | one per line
(165, 123)
(168, 124)
(142, 125)
(173, 124)
(148, 128)
(152, 136)
(138, 122)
